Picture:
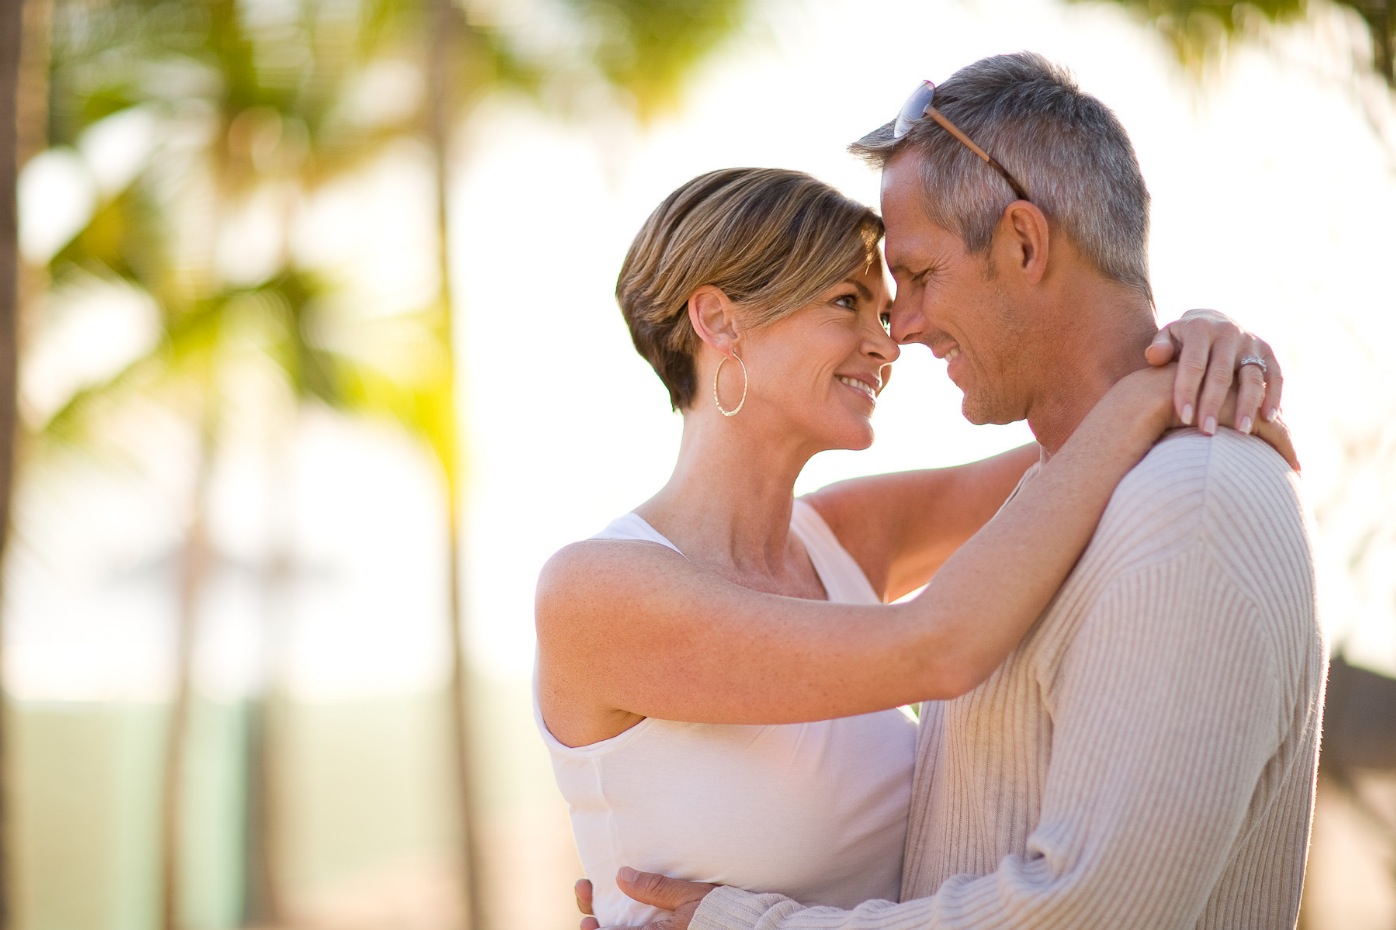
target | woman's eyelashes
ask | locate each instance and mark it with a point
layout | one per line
(856, 302)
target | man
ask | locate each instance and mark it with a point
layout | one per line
(1146, 758)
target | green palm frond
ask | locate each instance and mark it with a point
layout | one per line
(648, 48)
(246, 95)
(1199, 31)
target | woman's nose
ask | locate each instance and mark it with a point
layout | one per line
(884, 346)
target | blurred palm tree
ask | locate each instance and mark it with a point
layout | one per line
(1198, 29)
(250, 106)
(253, 107)
(638, 51)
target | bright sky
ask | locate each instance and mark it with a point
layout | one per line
(1267, 188)
(1269, 192)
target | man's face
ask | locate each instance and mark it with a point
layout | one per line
(952, 302)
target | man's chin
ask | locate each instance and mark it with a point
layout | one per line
(980, 415)
(974, 413)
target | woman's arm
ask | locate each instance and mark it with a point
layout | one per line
(901, 527)
(630, 629)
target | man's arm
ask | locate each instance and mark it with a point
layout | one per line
(1145, 795)
(1168, 708)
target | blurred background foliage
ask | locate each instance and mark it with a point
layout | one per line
(1199, 30)
(196, 146)
(236, 115)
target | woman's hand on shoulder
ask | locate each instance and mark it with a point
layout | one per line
(1218, 359)
(1152, 390)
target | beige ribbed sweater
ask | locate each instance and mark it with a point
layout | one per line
(1146, 758)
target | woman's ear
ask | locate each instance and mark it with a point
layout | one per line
(714, 318)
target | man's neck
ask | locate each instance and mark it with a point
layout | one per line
(1106, 343)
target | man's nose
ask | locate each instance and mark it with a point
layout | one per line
(906, 324)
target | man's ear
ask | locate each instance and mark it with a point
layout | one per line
(714, 318)
(1022, 240)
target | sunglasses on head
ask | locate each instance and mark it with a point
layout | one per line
(918, 106)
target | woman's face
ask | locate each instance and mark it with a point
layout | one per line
(818, 371)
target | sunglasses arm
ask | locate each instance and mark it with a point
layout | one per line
(988, 159)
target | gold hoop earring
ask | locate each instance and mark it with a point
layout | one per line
(745, 383)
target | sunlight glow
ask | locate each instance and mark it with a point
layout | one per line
(1274, 221)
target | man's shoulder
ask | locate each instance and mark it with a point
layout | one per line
(1220, 519)
(1191, 469)
(1192, 488)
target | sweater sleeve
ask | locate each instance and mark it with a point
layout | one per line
(1168, 707)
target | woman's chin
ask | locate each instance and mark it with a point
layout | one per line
(858, 443)
(850, 439)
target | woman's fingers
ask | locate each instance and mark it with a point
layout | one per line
(1274, 387)
(1277, 434)
(1210, 350)
(1200, 342)
(1274, 431)
(1218, 372)
(1253, 366)
(1162, 349)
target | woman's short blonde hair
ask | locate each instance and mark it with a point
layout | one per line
(772, 240)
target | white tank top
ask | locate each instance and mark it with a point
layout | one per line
(816, 811)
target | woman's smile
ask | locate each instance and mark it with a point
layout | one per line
(863, 387)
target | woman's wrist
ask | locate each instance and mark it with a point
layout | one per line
(1143, 402)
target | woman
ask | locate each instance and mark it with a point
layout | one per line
(703, 730)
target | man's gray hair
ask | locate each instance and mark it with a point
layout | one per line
(1064, 146)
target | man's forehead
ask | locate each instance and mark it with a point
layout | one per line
(901, 247)
(902, 195)
(909, 232)
(901, 170)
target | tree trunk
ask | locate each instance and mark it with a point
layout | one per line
(443, 24)
(1379, 17)
(11, 26)
(194, 572)
(31, 134)
(31, 108)
(1383, 38)
(265, 903)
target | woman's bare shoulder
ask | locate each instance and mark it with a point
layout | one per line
(581, 574)
(586, 555)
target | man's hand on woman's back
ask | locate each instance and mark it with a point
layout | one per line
(679, 898)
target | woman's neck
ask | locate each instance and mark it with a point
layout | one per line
(727, 504)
